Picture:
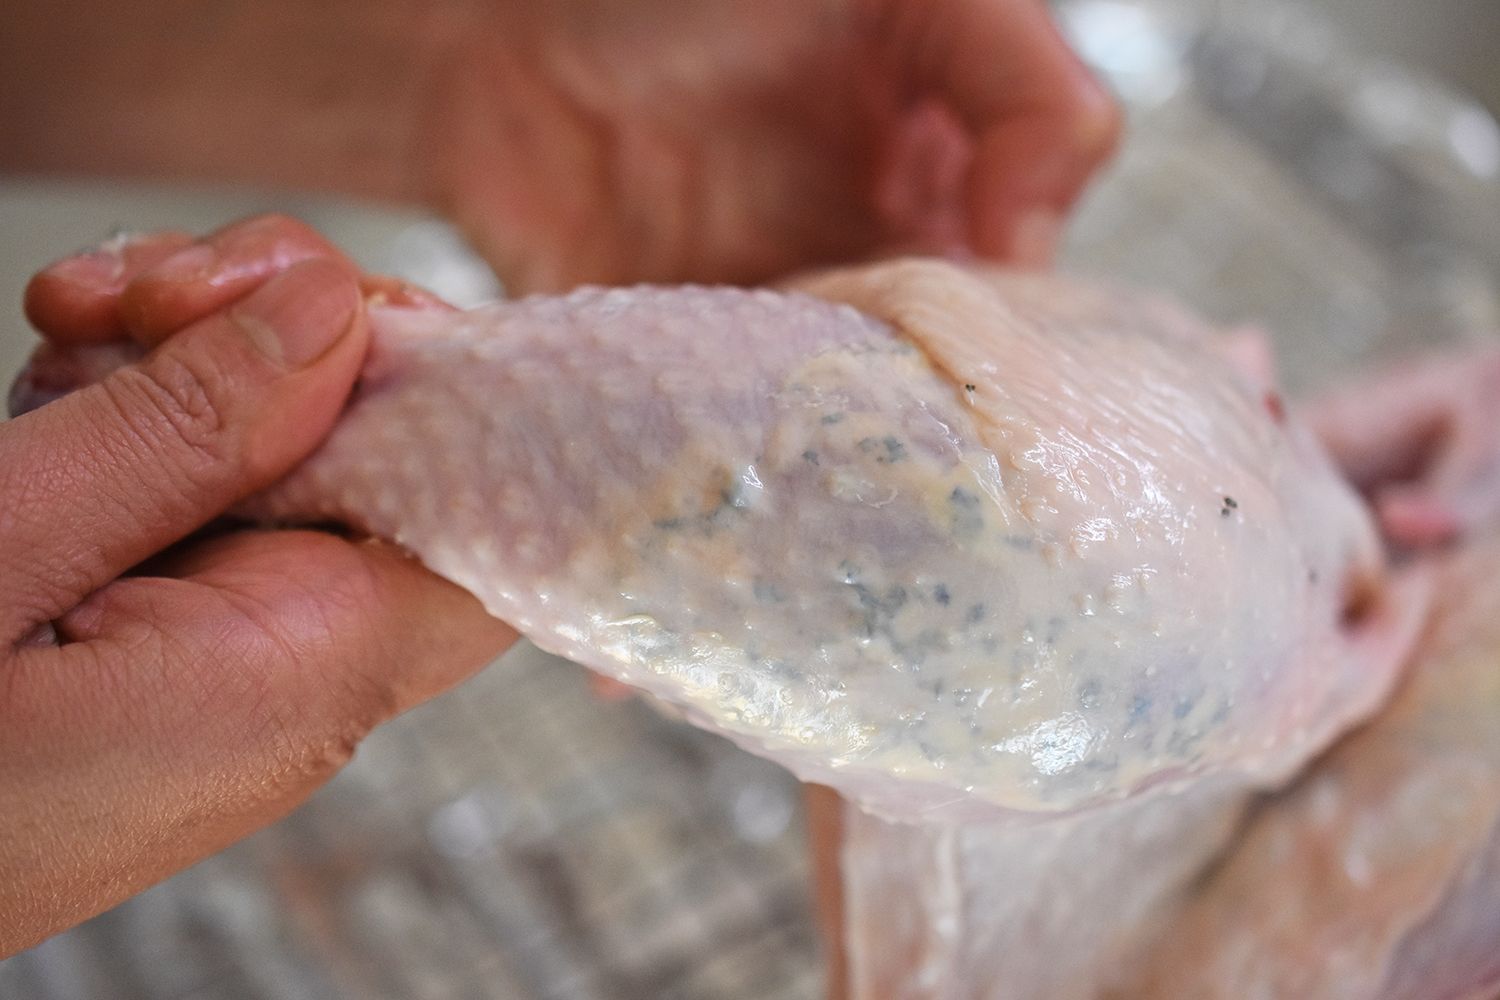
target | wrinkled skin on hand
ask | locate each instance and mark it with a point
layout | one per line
(166, 691)
(985, 504)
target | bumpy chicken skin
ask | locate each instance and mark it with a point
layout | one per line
(956, 542)
(1375, 876)
(979, 545)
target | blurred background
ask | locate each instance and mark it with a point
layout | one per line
(1328, 170)
(1453, 39)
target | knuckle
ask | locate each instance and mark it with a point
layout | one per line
(311, 764)
(175, 404)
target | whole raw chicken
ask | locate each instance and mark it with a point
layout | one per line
(977, 545)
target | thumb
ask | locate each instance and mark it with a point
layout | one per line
(159, 448)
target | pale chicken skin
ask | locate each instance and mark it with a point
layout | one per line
(986, 546)
(1377, 876)
(958, 543)
(993, 911)
(1374, 876)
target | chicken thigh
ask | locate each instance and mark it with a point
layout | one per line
(956, 542)
(979, 545)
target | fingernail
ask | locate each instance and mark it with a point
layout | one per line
(106, 264)
(102, 268)
(1033, 242)
(297, 316)
(194, 263)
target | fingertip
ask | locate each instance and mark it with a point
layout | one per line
(1097, 119)
(435, 634)
(72, 301)
(1025, 179)
(1416, 520)
(1033, 239)
(1042, 122)
(172, 294)
(607, 689)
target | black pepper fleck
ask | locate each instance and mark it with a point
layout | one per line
(967, 516)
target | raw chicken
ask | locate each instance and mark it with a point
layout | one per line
(1009, 546)
(1378, 874)
(1375, 877)
(985, 545)
(1001, 912)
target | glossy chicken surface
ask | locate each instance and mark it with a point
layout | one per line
(1375, 875)
(992, 911)
(979, 545)
(1378, 874)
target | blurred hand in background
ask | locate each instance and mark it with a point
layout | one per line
(590, 140)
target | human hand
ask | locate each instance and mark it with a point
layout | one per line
(721, 140)
(1422, 441)
(160, 699)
